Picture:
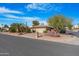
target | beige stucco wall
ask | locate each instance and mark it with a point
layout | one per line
(40, 30)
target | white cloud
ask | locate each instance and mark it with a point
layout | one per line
(25, 18)
(43, 7)
(11, 16)
(6, 10)
(38, 6)
(31, 18)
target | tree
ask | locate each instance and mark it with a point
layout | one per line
(69, 24)
(17, 26)
(12, 29)
(6, 26)
(35, 23)
(20, 28)
(2, 25)
(60, 23)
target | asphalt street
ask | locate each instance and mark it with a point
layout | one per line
(19, 46)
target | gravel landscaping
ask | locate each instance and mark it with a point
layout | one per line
(69, 39)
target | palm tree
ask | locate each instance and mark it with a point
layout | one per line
(2, 27)
(6, 26)
(18, 26)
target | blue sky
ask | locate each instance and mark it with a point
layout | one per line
(27, 12)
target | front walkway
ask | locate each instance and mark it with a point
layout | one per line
(69, 39)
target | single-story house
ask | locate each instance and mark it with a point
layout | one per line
(39, 29)
(4, 29)
(50, 31)
(75, 28)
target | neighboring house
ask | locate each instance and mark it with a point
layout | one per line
(5, 29)
(39, 29)
(75, 28)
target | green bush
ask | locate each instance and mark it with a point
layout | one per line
(45, 31)
(33, 31)
(62, 31)
(28, 31)
(12, 29)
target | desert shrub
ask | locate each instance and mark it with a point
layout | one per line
(28, 30)
(33, 31)
(45, 31)
(12, 29)
(62, 31)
